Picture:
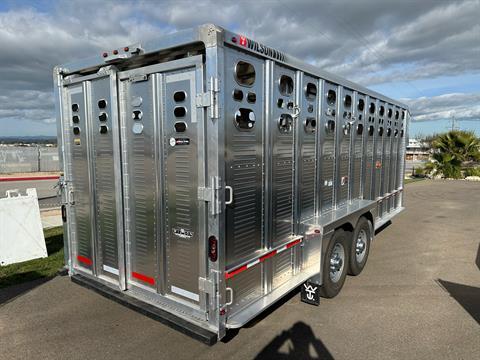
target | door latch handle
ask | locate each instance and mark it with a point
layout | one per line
(229, 290)
(230, 200)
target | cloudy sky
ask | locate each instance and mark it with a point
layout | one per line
(426, 53)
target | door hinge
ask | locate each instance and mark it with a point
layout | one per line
(210, 98)
(207, 286)
(211, 195)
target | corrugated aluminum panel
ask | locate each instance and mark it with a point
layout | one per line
(78, 125)
(181, 184)
(282, 145)
(327, 143)
(243, 160)
(140, 179)
(102, 124)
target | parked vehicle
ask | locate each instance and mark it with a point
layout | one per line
(207, 175)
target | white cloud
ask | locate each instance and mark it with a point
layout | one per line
(368, 41)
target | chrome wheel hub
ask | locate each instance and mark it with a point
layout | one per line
(361, 246)
(337, 262)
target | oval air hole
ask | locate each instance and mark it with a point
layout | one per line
(389, 113)
(180, 111)
(396, 115)
(76, 130)
(103, 129)
(389, 132)
(251, 97)
(238, 95)
(395, 133)
(285, 123)
(359, 129)
(180, 126)
(382, 110)
(310, 125)
(75, 107)
(331, 97)
(76, 119)
(102, 103)
(179, 96)
(372, 108)
(380, 130)
(244, 119)
(330, 126)
(403, 115)
(285, 85)
(102, 117)
(310, 108)
(137, 114)
(371, 130)
(311, 91)
(245, 73)
(347, 102)
(401, 133)
(361, 105)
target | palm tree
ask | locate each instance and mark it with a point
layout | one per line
(451, 150)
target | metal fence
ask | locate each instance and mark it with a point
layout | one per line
(15, 159)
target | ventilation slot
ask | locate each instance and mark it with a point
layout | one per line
(180, 111)
(179, 96)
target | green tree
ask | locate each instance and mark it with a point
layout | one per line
(451, 150)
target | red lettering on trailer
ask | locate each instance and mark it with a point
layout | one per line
(84, 260)
(243, 41)
(144, 278)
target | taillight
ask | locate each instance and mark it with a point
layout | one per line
(213, 248)
(64, 213)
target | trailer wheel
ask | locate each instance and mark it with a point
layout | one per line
(335, 264)
(360, 247)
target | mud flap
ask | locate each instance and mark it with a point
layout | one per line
(310, 293)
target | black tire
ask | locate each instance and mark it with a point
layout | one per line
(331, 287)
(364, 227)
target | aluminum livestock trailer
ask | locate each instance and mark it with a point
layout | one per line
(207, 175)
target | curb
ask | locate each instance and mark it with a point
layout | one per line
(29, 178)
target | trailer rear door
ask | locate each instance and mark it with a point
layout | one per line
(163, 165)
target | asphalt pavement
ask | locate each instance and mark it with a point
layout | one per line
(418, 298)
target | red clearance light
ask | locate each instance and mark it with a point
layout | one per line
(212, 248)
(105, 54)
(243, 41)
(234, 39)
(126, 48)
(115, 52)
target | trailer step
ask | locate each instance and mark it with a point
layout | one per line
(169, 319)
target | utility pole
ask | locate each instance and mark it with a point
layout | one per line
(453, 123)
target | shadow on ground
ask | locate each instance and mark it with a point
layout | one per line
(11, 292)
(299, 342)
(467, 296)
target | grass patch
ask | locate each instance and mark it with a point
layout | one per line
(408, 181)
(38, 268)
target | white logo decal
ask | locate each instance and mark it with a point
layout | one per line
(310, 291)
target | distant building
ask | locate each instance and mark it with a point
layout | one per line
(417, 150)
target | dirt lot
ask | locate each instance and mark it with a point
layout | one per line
(418, 298)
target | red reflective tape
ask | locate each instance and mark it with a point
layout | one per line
(144, 278)
(293, 243)
(235, 272)
(269, 255)
(84, 260)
